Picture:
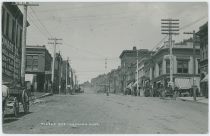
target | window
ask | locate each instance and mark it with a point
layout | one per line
(160, 68)
(10, 27)
(198, 66)
(7, 25)
(13, 30)
(20, 35)
(182, 66)
(3, 19)
(153, 72)
(32, 62)
(167, 66)
(35, 64)
(29, 62)
(17, 35)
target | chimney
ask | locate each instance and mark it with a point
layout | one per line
(134, 48)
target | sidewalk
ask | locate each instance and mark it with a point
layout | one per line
(198, 99)
(41, 94)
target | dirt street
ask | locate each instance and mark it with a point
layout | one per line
(89, 113)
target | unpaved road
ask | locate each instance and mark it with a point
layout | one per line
(89, 113)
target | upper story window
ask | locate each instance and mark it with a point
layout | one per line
(153, 72)
(3, 19)
(182, 66)
(7, 24)
(20, 36)
(167, 66)
(32, 62)
(160, 68)
(13, 30)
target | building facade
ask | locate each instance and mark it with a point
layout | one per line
(57, 73)
(11, 42)
(114, 81)
(203, 35)
(182, 65)
(143, 71)
(128, 65)
(99, 83)
(66, 77)
(38, 68)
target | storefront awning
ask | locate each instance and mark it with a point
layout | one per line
(205, 79)
(183, 83)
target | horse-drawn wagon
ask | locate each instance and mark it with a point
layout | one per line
(12, 97)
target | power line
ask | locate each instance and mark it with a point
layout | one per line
(159, 43)
(192, 23)
(39, 29)
(82, 7)
(41, 22)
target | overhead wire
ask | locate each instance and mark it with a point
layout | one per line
(41, 22)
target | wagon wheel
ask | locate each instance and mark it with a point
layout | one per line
(15, 107)
(25, 102)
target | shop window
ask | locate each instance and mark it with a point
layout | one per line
(182, 66)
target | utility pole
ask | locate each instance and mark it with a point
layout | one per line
(137, 74)
(67, 73)
(170, 27)
(61, 76)
(107, 78)
(54, 53)
(194, 40)
(23, 57)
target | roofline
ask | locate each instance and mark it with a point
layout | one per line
(127, 51)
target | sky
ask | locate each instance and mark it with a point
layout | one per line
(94, 31)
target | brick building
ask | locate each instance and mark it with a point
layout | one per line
(11, 42)
(38, 67)
(128, 65)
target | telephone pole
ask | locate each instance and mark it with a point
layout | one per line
(54, 43)
(67, 61)
(170, 27)
(107, 78)
(194, 40)
(23, 57)
(137, 74)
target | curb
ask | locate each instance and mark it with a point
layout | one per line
(42, 96)
(45, 95)
(192, 101)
